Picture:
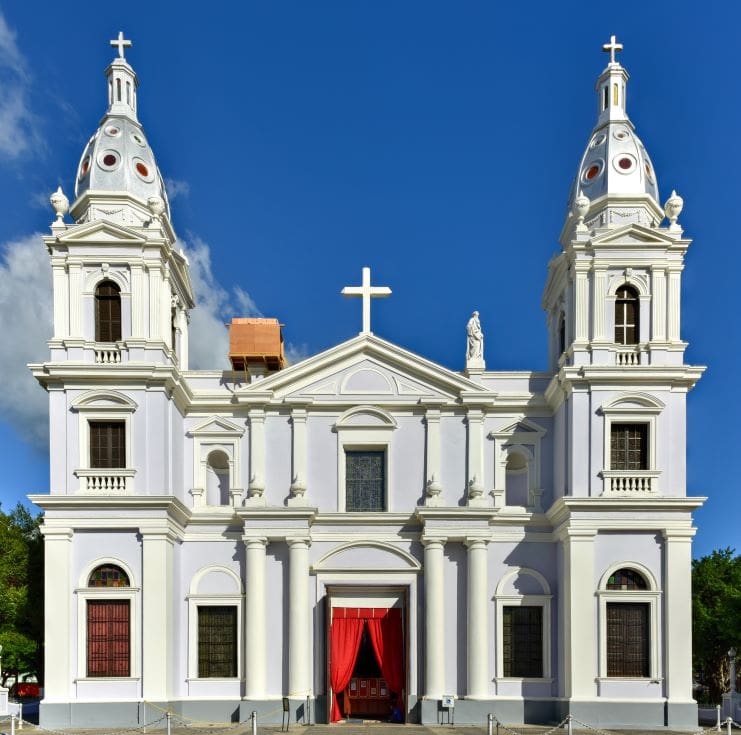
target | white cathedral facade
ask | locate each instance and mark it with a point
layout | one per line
(367, 532)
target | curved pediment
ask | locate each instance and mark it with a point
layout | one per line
(367, 556)
(366, 417)
(104, 399)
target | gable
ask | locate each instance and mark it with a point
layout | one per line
(101, 232)
(634, 235)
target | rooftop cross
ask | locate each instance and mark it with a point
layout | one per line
(123, 43)
(612, 48)
(367, 292)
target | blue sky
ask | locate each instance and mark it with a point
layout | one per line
(435, 142)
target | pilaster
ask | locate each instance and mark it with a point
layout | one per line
(658, 304)
(137, 301)
(75, 300)
(599, 292)
(257, 456)
(61, 298)
(299, 449)
(475, 484)
(674, 304)
(433, 470)
(155, 306)
(581, 307)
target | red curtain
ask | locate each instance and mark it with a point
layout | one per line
(387, 639)
(345, 635)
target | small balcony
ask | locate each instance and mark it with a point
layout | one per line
(633, 483)
(107, 354)
(106, 481)
(630, 355)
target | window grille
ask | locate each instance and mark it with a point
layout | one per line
(626, 579)
(217, 641)
(107, 312)
(627, 639)
(107, 444)
(365, 481)
(522, 641)
(626, 316)
(108, 575)
(629, 447)
(108, 638)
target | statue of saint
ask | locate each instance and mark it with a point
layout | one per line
(475, 338)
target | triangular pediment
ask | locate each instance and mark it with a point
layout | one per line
(216, 425)
(522, 427)
(101, 232)
(634, 235)
(367, 369)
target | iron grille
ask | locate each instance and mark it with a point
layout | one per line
(627, 639)
(217, 641)
(365, 481)
(522, 641)
(108, 638)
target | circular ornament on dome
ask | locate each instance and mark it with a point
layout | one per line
(591, 172)
(143, 169)
(621, 134)
(649, 171)
(598, 140)
(113, 131)
(138, 140)
(84, 167)
(624, 163)
(109, 160)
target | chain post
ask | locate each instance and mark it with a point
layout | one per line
(169, 724)
(12, 724)
(728, 726)
(144, 717)
(569, 725)
(253, 717)
(717, 717)
(490, 724)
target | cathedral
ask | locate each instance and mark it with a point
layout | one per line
(366, 535)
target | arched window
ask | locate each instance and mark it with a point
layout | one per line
(217, 478)
(626, 579)
(107, 312)
(108, 624)
(626, 316)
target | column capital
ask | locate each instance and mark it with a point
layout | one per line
(304, 541)
(678, 534)
(251, 541)
(431, 542)
(57, 534)
(256, 415)
(474, 414)
(476, 542)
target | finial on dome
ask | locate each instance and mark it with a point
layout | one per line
(673, 208)
(123, 43)
(581, 207)
(59, 203)
(611, 48)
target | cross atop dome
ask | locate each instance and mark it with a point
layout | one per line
(611, 48)
(123, 43)
(367, 292)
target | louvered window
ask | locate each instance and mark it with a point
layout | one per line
(626, 316)
(107, 312)
(365, 481)
(217, 641)
(108, 638)
(107, 444)
(627, 639)
(629, 447)
(522, 641)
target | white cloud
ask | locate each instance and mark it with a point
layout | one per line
(176, 188)
(296, 353)
(26, 316)
(18, 124)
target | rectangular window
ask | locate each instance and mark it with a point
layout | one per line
(217, 641)
(365, 481)
(629, 446)
(108, 638)
(627, 639)
(107, 444)
(522, 641)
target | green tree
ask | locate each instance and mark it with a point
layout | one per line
(716, 617)
(21, 593)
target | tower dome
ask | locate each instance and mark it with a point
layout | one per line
(615, 171)
(118, 158)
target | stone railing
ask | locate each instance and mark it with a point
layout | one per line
(106, 481)
(628, 356)
(107, 354)
(630, 482)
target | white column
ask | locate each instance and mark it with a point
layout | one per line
(674, 303)
(658, 304)
(154, 300)
(578, 615)
(475, 422)
(157, 614)
(61, 298)
(255, 630)
(599, 292)
(257, 453)
(75, 300)
(299, 478)
(299, 619)
(678, 613)
(137, 301)
(58, 674)
(166, 307)
(477, 644)
(582, 307)
(434, 619)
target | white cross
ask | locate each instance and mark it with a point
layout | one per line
(367, 292)
(122, 43)
(611, 48)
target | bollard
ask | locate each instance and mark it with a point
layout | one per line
(717, 717)
(144, 717)
(168, 715)
(20, 715)
(12, 724)
(497, 727)
(728, 725)
(569, 725)
(253, 716)
(490, 724)
(308, 711)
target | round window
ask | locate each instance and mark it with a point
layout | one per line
(108, 160)
(620, 134)
(84, 167)
(591, 172)
(598, 140)
(624, 163)
(138, 140)
(143, 169)
(649, 171)
(113, 131)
